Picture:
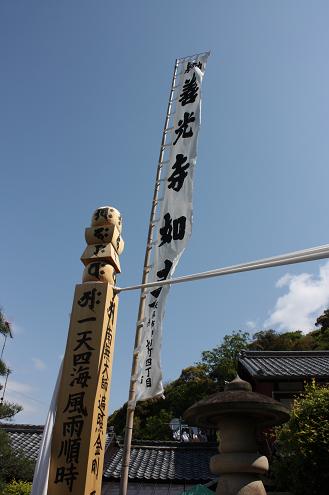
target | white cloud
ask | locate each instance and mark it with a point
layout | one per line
(251, 325)
(17, 392)
(19, 387)
(306, 298)
(39, 364)
(34, 408)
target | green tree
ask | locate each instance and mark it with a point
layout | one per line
(13, 465)
(152, 416)
(5, 331)
(271, 340)
(17, 488)
(303, 444)
(221, 361)
(7, 409)
(157, 426)
(217, 365)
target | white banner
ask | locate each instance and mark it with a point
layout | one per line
(175, 225)
(41, 472)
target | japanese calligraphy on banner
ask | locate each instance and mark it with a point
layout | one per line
(79, 434)
(175, 225)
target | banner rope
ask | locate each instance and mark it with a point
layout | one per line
(311, 254)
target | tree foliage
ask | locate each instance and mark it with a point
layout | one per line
(13, 465)
(5, 331)
(151, 419)
(270, 340)
(217, 365)
(303, 444)
(7, 409)
(221, 361)
(17, 488)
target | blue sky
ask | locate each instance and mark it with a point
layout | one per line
(83, 91)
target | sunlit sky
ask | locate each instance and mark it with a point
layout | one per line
(83, 92)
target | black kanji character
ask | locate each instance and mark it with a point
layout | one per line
(182, 130)
(71, 449)
(82, 358)
(99, 248)
(75, 404)
(68, 475)
(101, 212)
(84, 320)
(89, 299)
(155, 293)
(162, 275)
(105, 377)
(111, 311)
(176, 180)
(102, 233)
(149, 347)
(73, 426)
(179, 225)
(190, 66)
(101, 414)
(190, 91)
(98, 445)
(154, 304)
(81, 377)
(84, 341)
(166, 230)
(118, 242)
(95, 466)
(176, 231)
(148, 382)
(93, 269)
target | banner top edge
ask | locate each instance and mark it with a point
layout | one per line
(189, 57)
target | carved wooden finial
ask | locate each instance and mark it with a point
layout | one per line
(104, 245)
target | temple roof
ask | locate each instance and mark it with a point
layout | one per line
(150, 460)
(265, 365)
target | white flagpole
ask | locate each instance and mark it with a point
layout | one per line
(139, 325)
(311, 254)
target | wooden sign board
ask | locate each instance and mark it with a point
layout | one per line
(105, 234)
(79, 434)
(101, 252)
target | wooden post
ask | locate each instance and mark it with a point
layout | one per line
(79, 434)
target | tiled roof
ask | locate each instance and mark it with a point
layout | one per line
(163, 461)
(285, 364)
(150, 460)
(25, 438)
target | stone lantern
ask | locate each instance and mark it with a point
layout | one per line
(237, 414)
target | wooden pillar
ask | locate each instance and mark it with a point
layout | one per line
(79, 434)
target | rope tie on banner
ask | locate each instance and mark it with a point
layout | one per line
(311, 254)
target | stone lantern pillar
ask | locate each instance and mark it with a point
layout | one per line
(237, 414)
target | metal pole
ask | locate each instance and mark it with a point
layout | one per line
(141, 310)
